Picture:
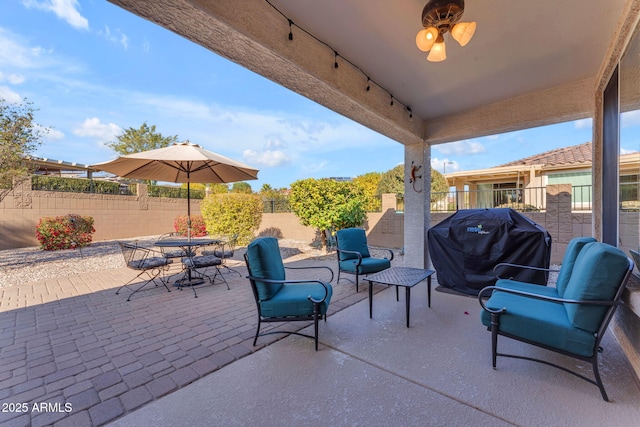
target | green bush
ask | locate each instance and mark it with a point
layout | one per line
(75, 185)
(232, 213)
(174, 192)
(64, 232)
(198, 226)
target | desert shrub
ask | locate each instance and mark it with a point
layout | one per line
(198, 227)
(232, 213)
(64, 232)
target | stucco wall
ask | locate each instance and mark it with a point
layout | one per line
(114, 216)
(131, 216)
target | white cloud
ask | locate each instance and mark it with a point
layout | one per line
(460, 148)
(583, 124)
(94, 128)
(444, 165)
(117, 37)
(272, 158)
(14, 79)
(54, 134)
(67, 10)
(9, 95)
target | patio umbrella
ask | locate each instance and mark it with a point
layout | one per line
(181, 162)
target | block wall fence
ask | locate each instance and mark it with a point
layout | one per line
(119, 216)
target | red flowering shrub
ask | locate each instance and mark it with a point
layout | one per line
(64, 232)
(198, 227)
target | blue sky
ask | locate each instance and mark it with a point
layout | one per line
(93, 69)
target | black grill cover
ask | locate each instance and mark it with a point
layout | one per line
(465, 247)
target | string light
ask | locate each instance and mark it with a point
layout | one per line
(335, 58)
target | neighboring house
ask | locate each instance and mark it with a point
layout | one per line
(521, 183)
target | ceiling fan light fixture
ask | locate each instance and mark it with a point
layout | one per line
(440, 17)
(463, 31)
(438, 52)
(426, 38)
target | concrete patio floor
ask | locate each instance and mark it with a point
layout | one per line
(171, 359)
(379, 373)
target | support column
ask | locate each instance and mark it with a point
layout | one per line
(417, 209)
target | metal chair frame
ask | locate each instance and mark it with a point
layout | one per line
(357, 261)
(139, 258)
(495, 330)
(316, 316)
(224, 254)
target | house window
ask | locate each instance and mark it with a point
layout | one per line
(506, 193)
(629, 185)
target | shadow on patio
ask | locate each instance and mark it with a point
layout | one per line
(71, 340)
(165, 359)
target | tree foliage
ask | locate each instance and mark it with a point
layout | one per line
(438, 183)
(241, 187)
(144, 138)
(369, 183)
(327, 204)
(392, 182)
(232, 213)
(19, 137)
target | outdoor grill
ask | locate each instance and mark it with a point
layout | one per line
(466, 246)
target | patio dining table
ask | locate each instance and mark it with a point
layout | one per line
(187, 245)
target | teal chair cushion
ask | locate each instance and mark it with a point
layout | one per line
(597, 275)
(352, 239)
(568, 261)
(540, 321)
(527, 287)
(266, 263)
(292, 300)
(368, 265)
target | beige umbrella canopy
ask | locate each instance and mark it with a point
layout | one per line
(180, 162)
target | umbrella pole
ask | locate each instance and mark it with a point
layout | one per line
(188, 208)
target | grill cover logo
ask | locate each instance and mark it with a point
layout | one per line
(477, 229)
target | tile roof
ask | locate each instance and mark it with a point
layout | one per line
(560, 156)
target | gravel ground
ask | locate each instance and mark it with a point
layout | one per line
(30, 264)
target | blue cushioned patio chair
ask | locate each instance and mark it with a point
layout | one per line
(145, 261)
(571, 253)
(353, 254)
(570, 319)
(279, 299)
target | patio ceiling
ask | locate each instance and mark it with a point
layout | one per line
(530, 63)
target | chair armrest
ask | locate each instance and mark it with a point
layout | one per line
(540, 297)
(384, 249)
(149, 251)
(522, 267)
(146, 251)
(313, 266)
(358, 254)
(294, 282)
